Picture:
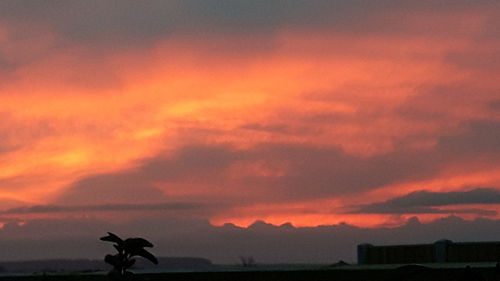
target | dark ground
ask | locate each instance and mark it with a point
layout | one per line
(406, 273)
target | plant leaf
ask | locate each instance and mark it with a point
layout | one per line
(132, 243)
(145, 254)
(112, 238)
(119, 248)
(112, 260)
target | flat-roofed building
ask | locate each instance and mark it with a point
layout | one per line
(439, 252)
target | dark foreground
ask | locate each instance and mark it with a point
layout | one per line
(407, 273)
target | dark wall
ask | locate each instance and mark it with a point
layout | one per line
(473, 252)
(441, 251)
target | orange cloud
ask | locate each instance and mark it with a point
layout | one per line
(75, 111)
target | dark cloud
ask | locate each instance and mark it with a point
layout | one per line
(303, 172)
(143, 20)
(311, 173)
(278, 128)
(317, 172)
(191, 162)
(14, 134)
(266, 128)
(478, 140)
(494, 105)
(10, 203)
(380, 209)
(137, 186)
(477, 137)
(4, 148)
(421, 202)
(172, 207)
(484, 60)
(441, 102)
(78, 238)
(118, 188)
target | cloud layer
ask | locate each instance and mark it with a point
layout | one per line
(426, 201)
(78, 238)
(309, 112)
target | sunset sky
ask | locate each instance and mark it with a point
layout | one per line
(370, 114)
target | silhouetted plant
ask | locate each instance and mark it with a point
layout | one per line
(247, 261)
(126, 250)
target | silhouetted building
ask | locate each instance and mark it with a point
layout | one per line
(438, 252)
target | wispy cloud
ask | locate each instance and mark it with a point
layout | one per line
(179, 206)
(425, 202)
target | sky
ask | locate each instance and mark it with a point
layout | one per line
(248, 123)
